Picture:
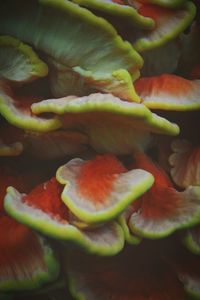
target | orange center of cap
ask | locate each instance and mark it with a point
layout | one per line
(47, 197)
(97, 177)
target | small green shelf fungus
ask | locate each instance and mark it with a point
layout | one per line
(52, 218)
(74, 38)
(112, 125)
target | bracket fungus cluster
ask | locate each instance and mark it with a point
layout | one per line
(99, 149)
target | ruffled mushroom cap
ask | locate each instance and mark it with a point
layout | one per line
(16, 111)
(185, 162)
(26, 261)
(100, 189)
(74, 36)
(112, 125)
(20, 64)
(135, 273)
(53, 218)
(169, 92)
(163, 210)
(169, 24)
(125, 13)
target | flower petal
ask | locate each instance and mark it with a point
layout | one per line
(57, 22)
(112, 125)
(169, 92)
(185, 162)
(100, 189)
(51, 217)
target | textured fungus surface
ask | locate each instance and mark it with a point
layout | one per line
(99, 150)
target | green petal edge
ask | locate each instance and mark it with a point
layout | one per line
(79, 46)
(20, 54)
(44, 223)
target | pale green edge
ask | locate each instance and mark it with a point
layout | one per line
(69, 233)
(140, 111)
(121, 77)
(143, 44)
(40, 278)
(72, 288)
(171, 106)
(130, 238)
(14, 149)
(28, 122)
(39, 68)
(168, 3)
(190, 244)
(110, 213)
(154, 235)
(115, 9)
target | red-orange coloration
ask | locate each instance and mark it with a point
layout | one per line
(97, 177)
(162, 200)
(166, 83)
(18, 244)
(47, 197)
(153, 11)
